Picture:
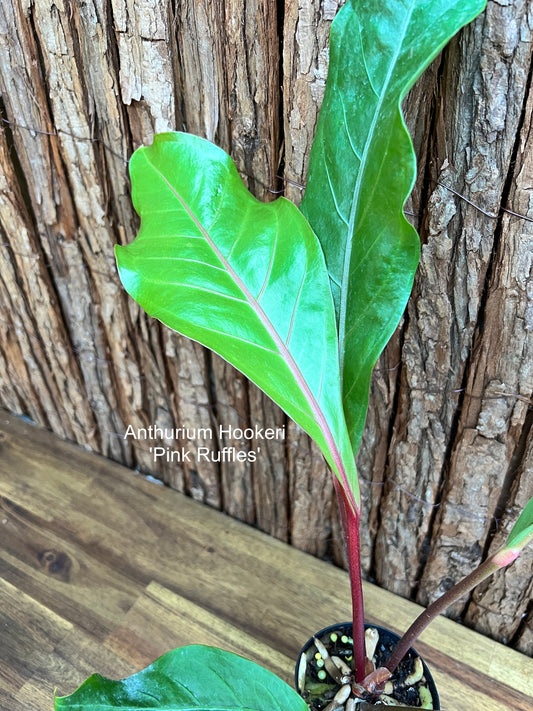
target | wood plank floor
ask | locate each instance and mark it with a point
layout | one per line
(103, 570)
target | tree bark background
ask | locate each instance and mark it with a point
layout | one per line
(447, 456)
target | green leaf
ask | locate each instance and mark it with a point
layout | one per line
(244, 278)
(522, 531)
(195, 677)
(362, 169)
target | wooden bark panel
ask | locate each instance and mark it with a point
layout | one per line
(471, 155)
(311, 495)
(446, 455)
(494, 428)
(270, 479)
(233, 410)
(229, 61)
(305, 62)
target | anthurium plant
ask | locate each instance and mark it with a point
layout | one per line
(302, 301)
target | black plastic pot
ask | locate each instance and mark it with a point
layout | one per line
(386, 639)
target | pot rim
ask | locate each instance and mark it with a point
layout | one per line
(335, 627)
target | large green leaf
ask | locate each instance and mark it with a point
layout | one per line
(244, 278)
(362, 168)
(189, 678)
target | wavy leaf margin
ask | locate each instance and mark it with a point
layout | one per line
(244, 278)
(362, 169)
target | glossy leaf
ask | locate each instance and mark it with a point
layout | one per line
(187, 679)
(362, 168)
(244, 278)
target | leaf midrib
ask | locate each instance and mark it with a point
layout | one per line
(282, 348)
(357, 194)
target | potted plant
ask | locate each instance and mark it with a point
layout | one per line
(302, 302)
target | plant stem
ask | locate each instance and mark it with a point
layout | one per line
(350, 524)
(486, 569)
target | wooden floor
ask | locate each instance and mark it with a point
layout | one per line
(103, 570)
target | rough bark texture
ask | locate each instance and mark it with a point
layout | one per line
(447, 456)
